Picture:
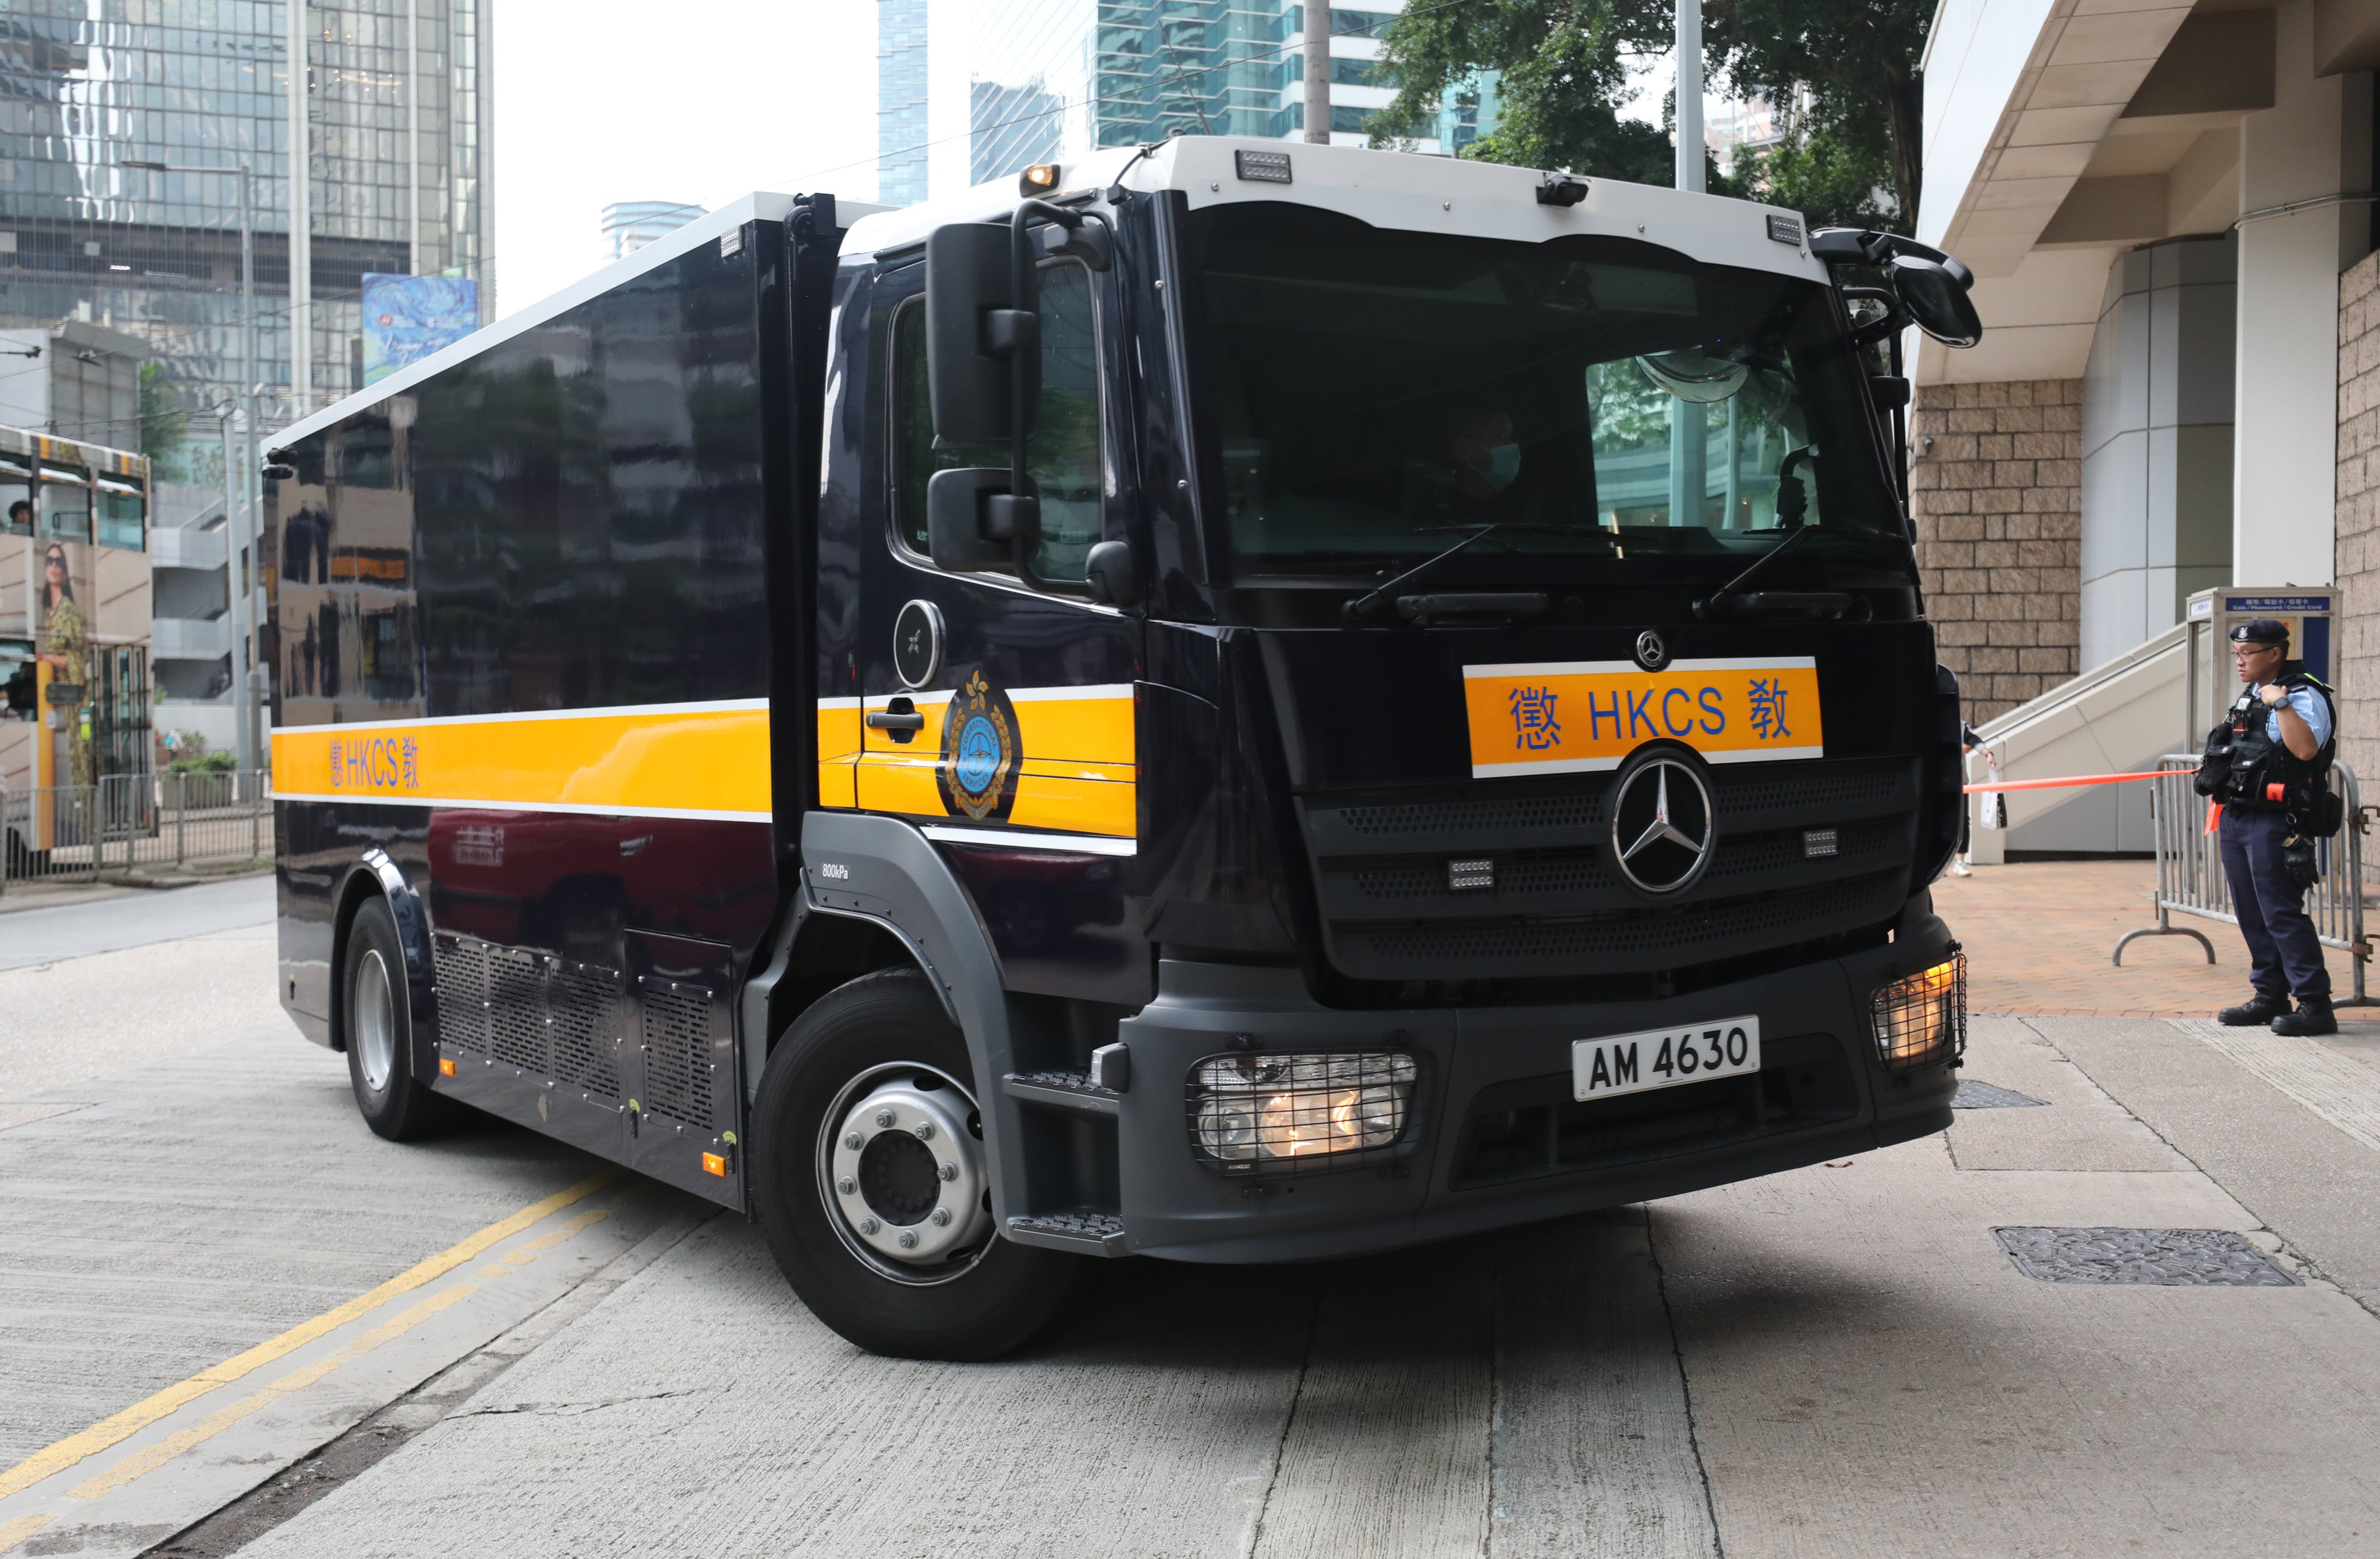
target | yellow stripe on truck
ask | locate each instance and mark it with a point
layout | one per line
(1077, 773)
(672, 759)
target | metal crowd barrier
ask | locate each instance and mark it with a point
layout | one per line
(213, 821)
(2191, 880)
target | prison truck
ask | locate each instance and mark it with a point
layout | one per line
(1232, 702)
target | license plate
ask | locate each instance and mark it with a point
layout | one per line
(1663, 1057)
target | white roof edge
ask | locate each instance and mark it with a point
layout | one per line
(766, 205)
(1383, 172)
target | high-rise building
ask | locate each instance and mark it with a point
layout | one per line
(901, 88)
(630, 225)
(1052, 80)
(392, 114)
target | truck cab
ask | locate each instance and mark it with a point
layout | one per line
(1457, 615)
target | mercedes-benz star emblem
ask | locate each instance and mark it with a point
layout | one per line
(1661, 825)
(1650, 652)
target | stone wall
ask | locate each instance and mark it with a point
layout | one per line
(1995, 480)
(2357, 560)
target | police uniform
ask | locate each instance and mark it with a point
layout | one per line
(2270, 799)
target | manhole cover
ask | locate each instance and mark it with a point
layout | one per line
(1973, 1095)
(2192, 1258)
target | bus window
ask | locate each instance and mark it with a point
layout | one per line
(120, 512)
(66, 511)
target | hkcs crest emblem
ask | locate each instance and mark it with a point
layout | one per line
(981, 755)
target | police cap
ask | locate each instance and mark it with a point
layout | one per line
(2261, 631)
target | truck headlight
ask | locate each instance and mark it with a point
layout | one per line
(1921, 1020)
(1259, 1113)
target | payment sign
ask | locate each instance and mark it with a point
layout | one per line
(1571, 718)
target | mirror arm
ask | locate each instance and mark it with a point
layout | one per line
(1024, 511)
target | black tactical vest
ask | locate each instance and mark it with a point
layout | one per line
(2248, 769)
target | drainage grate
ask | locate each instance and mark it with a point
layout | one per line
(2183, 1257)
(1973, 1095)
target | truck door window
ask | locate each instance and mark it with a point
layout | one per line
(1065, 452)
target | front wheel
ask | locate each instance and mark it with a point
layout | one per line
(378, 1017)
(873, 1187)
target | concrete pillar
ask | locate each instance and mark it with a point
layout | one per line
(2314, 141)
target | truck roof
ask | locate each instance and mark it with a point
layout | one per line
(1424, 193)
(1402, 190)
(762, 205)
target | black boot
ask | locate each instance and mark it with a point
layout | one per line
(2314, 1017)
(2254, 1013)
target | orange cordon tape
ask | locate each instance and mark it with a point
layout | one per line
(2069, 779)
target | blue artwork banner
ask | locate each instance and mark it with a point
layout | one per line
(406, 318)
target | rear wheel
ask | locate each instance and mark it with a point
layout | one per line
(874, 1189)
(377, 1016)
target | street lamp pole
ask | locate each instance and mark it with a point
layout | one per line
(248, 676)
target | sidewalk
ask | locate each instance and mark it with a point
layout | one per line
(2039, 934)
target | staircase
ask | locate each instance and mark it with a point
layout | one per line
(2115, 718)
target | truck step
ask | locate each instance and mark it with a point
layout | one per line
(1084, 1230)
(1072, 1091)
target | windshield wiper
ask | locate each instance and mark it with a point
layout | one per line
(1360, 606)
(1731, 599)
(1423, 608)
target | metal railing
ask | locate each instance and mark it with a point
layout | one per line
(2191, 880)
(212, 821)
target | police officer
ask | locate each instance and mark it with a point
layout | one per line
(2268, 763)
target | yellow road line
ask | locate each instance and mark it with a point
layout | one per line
(53, 1459)
(16, 1531)
(149, 1459)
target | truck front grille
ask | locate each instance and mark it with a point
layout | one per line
(1392, 911)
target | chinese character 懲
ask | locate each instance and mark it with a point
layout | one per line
(336, 775)
(1534, 723)
(412, 764)
(1768, 709)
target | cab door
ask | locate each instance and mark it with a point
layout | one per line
(997, 716)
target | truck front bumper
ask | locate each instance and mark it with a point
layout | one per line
(1494, 1137)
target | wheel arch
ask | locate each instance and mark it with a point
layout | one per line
(875, 894)
(376, 873)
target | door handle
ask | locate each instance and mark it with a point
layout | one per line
(890, 720)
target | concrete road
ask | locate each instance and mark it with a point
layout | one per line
(1840, 1361)
(41, 934)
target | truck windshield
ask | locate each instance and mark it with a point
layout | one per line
(1379, 391)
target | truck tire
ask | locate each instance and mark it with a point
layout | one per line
(873, 1188)
(376, 1017)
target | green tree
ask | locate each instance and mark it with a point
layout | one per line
(1852, 64)
(164, 429)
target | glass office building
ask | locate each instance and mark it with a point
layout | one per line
(1052, 80)
(900, 132)
(394, 104)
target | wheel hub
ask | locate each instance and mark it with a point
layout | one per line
(904, 1172)
(375, 1021)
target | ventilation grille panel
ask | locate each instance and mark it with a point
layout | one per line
(585, 1003)
(677, 1053)
(461, 970)
(516, 1009)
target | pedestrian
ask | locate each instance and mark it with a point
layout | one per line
(1968, 743)
(2267, 766)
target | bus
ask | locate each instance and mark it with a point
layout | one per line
(75, 625)
(1230, 702)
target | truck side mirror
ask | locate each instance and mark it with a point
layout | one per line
(1110, 569)
(973, 330)
(1929, 294)
(969, 524)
